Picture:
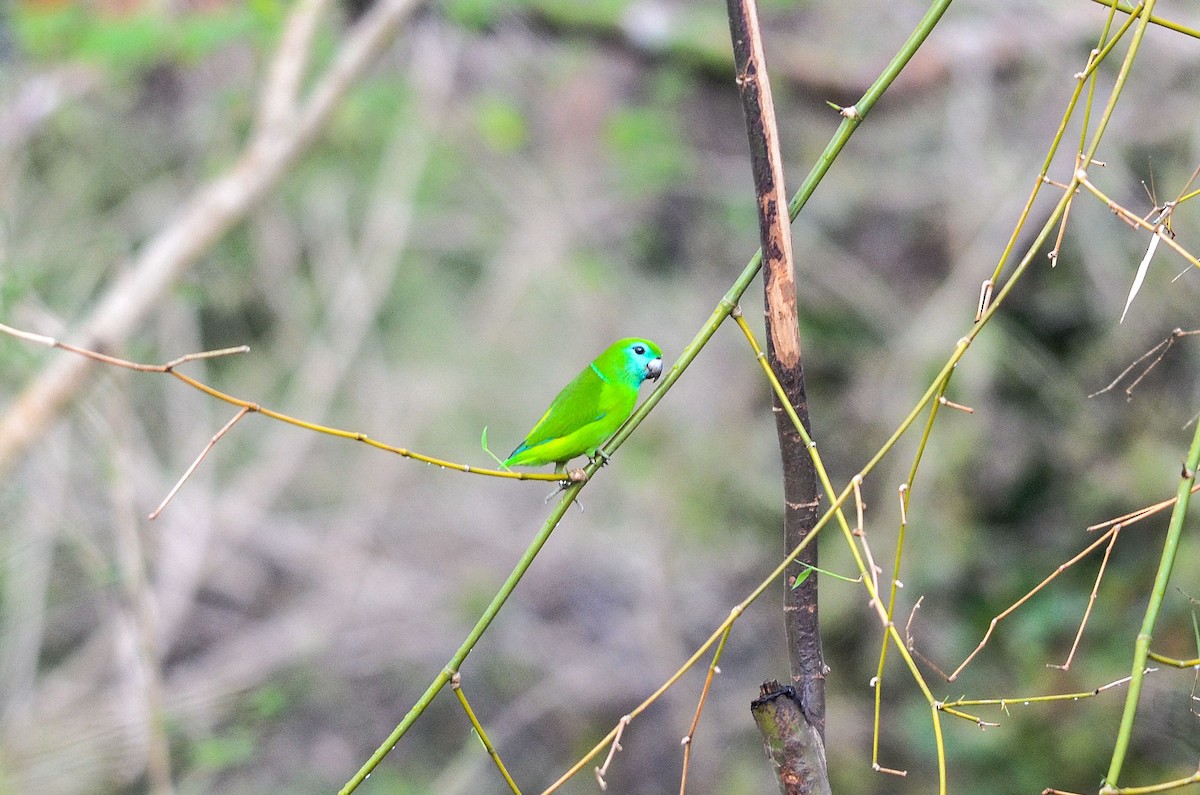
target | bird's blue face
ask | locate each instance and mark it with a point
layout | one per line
(644, 358)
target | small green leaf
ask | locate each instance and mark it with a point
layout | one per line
(808, 570)
(484, 444)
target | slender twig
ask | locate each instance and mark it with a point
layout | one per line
(455, 663)
(1125, 8)
(1157, 594)
(359, 436)
(456, 686)
(950, 404)
(247, 406)
(1112, 541)
(104, 358)
(1140, 513)
(602, 771)
(910, 642)
(1005, 703)
(1162, 786)
(860, 532)
(905, 494)
(1160, 349)
(242, 412)
(945, 706)
(1173, 662)
(1029, 595)
(686, 742)
(1157, 229)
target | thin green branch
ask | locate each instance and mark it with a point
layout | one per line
(456, 685)
(894, 585)
(1102, 53)
(854, 115)
(1095, 57)
(1174, 662)
(1157, 593)
(1163, 786)
(1125, 8)
(1118, 85)
(1005, 703)
(489, 614)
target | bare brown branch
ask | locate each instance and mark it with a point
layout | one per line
(801, 495)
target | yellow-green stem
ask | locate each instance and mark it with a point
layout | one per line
(456, 683)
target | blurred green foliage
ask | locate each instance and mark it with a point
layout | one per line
(501, 124)
(226, 750)
(132, 41)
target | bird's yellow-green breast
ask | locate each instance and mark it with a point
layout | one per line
(592, 407)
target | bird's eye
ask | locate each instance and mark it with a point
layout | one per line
(639, 349)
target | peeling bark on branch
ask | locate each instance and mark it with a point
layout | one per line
(791, 742)
(801, 498)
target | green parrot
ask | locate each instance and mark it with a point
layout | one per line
(592, 407)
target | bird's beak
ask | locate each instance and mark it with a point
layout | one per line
(654, 369)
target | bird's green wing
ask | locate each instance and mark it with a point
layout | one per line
(578, 404)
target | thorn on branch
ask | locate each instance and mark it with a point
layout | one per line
(878, 768)
(985, 299)
(951, 404)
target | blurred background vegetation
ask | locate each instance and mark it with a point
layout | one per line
(512, 186)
